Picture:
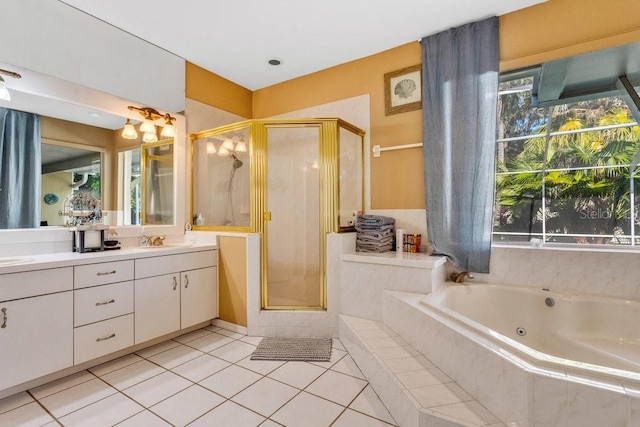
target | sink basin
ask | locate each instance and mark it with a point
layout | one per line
(168, 246)
(14, 261)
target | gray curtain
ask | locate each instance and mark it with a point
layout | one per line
(459, 107)
(20, 169)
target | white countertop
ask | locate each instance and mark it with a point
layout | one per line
(66, 259)
(403, 259)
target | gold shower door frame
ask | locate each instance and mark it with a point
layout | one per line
(329, 191)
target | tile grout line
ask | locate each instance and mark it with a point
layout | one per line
(192, 383)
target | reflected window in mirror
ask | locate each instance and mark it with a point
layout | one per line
(157, 183)
(129, 188)
(66, 170)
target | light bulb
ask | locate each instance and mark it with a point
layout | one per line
(223, 151)
(228, 144)
(147, 126)
(168, 131)
(150, 137)
(211, 149)
(129, 132)
(241, 147)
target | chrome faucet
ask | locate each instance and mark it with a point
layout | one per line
(151, 240)
(459, 276)
(157, 241)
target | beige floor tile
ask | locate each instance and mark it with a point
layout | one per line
(132, 374)
(229, 414)
(103, 413)
(308, 410)
(158, 388)
(76, 397)
(29, 415)
(337, 387)
(200, 368)
(297, 374)
(176, 356)
(187, 405)
(230, 381)
(265, 396)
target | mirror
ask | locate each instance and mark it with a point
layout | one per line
(66, 170)
(157, 183)
(81, 139)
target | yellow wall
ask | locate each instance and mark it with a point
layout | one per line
(233, 280)
(546, 31)
(561, 28)
(216, 91)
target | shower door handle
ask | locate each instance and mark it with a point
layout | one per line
(267, 216)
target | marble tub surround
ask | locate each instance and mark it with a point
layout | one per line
(517, 391)
(416, 392)
(364, 277)
(600, 271)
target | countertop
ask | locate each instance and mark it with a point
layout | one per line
(66, 259)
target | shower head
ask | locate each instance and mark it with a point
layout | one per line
(237, 163)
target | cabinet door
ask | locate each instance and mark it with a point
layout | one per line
(157, 306)
(36, 337)
(199, 296)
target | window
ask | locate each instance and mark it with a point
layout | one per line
(563, 172)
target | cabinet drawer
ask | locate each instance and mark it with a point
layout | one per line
(103, 273)
(159, 265)
(102, 302)
(33, 283)
(102, 338)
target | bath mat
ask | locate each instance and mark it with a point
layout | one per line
(297, 349)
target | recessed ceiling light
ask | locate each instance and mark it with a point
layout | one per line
(94, 114)
(275, 61)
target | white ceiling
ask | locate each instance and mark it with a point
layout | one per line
(235, 39)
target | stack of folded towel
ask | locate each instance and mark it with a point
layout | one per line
(375, 233)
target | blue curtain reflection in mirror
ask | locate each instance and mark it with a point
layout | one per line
(20, 169)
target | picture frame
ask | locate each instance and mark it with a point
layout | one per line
(403, 90)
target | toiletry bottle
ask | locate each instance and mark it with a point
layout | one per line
(199, 219)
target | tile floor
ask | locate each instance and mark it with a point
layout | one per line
(204, 378)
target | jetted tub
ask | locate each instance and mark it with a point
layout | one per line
(583, 333)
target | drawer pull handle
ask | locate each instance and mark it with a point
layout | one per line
(175, 283)
(106, 273)
(105, 303)
(106, 338)
(4, 318)
(186, 278)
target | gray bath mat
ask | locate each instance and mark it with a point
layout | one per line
(298, 349)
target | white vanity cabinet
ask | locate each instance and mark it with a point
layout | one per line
(174, 292)
(103, 309)
(36, 324)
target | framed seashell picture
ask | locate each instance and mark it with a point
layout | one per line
(403, 90)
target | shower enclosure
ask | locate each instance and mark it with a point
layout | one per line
(292, 180)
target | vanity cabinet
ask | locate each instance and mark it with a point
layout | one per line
(54, 318)
(36, 324)
(103, 309)
(174, 292)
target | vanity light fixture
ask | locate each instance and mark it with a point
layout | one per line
(168, 131)
(129, 132)
(4, 91)
(147, 127)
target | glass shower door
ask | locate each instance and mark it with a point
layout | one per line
(293, 233)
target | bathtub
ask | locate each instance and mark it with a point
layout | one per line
(572, 333)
